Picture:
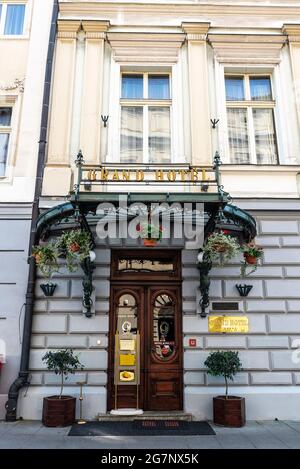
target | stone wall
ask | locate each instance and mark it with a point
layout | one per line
(272, 307)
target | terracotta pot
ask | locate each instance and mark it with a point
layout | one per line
(250, 259)
(150, 242)
(229, 412)
(59, 412)
(74, 247)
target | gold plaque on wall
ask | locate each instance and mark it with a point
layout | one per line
(228, 324)
(127, 360)
(127, 345)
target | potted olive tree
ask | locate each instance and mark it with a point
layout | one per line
(60, 410)
(229, 411)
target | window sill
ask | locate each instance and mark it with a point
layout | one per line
(21, 37)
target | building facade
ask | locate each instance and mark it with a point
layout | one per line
(160, 87)
(24, 34)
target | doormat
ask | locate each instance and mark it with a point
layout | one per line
(142, 428)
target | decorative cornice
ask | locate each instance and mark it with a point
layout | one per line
(292, 31)
(247, 48)
(68, 29)
(17, 84)
(148, 47)
(95, 29)
(195, 31)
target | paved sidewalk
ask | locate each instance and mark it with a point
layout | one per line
(264, 435)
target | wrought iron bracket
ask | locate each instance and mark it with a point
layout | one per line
(88, 267)
(204, 268)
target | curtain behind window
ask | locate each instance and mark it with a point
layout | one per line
(265, 139)
(238, 136)
(14, 19)
(4, 140)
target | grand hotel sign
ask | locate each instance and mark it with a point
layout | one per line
(148, 175)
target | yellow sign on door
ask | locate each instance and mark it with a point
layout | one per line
(228, 324)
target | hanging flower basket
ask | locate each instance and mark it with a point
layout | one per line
(221, 247)
(252, 253)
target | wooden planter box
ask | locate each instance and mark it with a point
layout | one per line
(229, 412)
(59, 412)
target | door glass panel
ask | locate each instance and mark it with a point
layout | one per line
(163, 327)
(127, 314)
(145, 265)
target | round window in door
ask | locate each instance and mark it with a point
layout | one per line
(164, 346)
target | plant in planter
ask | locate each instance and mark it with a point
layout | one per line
(229, 411)
(219, 246)
(45, 257)
(60, 410)
(252, 253)
(151, 234)
(75, 245)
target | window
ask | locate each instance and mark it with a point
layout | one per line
(145, 118)
(12, 19)
(5, 129)
(250, 117)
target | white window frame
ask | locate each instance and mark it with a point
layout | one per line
(145, 103)
(7, 129)
(114, 127)
(3, 18)
(250, 104)
(278, 84)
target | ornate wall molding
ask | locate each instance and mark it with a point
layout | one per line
(195, 31)
(18, 84)
(292, 31)
(247, 48)
(68, 29)
(95, 29)
(147, 47)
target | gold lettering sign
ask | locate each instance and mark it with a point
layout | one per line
(228, 324)
(190, 175)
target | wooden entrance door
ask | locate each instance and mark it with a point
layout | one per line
(153, 307)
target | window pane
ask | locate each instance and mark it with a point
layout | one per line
(265, 138)
(131, 134)
(238, 135)
(234, 88)
(260, 88)
(14, 19)
(159, 135)
(4, 139)
(5, 115)
(159, 87)
(132, 86)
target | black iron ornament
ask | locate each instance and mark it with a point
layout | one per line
(214, 123)
(244, 289)
(204, 267)
(48, 288)
(104, 119)
(87, 266)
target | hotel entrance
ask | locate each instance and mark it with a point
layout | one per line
(145, 297)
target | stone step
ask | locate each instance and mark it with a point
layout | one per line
(151, 415)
